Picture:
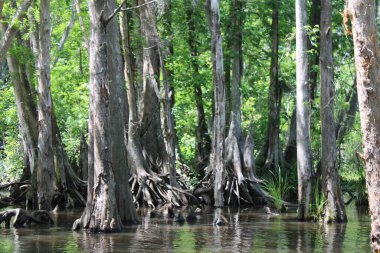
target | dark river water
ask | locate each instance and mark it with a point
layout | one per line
(248, 230)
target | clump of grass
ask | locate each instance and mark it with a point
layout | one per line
(317, 208)
(277, 186)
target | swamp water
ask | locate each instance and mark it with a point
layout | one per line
(249, 230)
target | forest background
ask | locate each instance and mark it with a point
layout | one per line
(267, 96)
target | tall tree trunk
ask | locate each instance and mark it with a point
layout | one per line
(203, 140)
(290, 152)
(165, 51)
(135, 153)
(334, 207)
(272, 152)
(367, 62)
(151, 133)
(147, 187)
(168, 50)
(304, 166)
(45, 172)
(104, 212)
(27, 116)
(118, 103)
(217, 153)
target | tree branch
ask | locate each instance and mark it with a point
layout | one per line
(65, 35)
(10, 33)
(120, 8)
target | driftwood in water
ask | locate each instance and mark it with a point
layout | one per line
(23, 217)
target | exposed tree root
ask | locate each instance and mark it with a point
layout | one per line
(241, 186)
(23, 217)
(150, 189)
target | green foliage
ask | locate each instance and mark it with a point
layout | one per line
(10, 147)
(317, 207)
(277, 186)
(361, 190)
(69, 82)
(69, 77)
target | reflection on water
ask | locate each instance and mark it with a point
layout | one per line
(248, 230)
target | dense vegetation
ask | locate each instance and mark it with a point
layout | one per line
(172, 47)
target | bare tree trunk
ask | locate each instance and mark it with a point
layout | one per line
(234, 143)
(118, 102)
(217, 151)
(168, 121)
(272, 152)
(45, 172)
(168, 51)
(334, 207)
(27, 115)
(104, 212)
(304, 165)
(367, 62)
(203, 139)
(151, 133)
(290, 152)
(147, 187)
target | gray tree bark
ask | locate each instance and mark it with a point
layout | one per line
(290, 152)
(367, 62)
(104, 212)
(147, 186)
(304, 166)
(117, 106)
(151, 133)
(238, 154)
(166, 50)
(217, 148)
(27, 115)
(45, 172)
(334, 208)
(272, 152)
(235, 141)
